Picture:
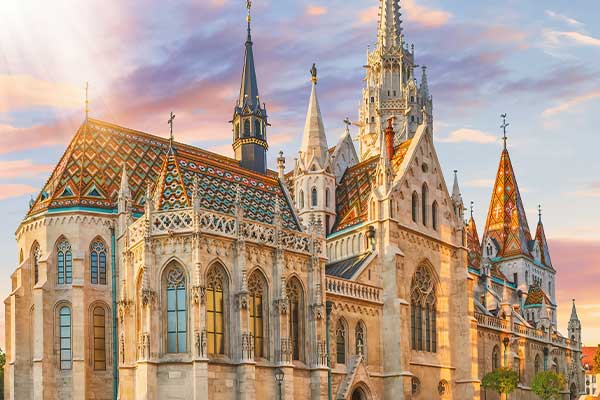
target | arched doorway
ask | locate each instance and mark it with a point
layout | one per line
(573, 391)
(358, 394)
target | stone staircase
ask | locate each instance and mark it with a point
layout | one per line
(346, 385)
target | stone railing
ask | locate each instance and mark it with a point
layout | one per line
(342, 287)
(182, 221)
(492, 322)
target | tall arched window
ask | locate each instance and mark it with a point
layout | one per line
(216, 286)
(423, 311)
(424, 200)
(247, 128)
(340, 343)
(301, 198)
(98, 262)
(257, 131)
(99, 318)
(176, 312)
(537, 364)
(415, 206)
(555, 367)
(64, 326)
(258, 290)
(296, 316)
(495, 358)
(35, 257)
(64, 263)
(361, 339)
(434, 215)
(313, 197)
(327, 197)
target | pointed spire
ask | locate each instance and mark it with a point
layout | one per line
(473, 244)
(506, 221)
(456, 196)
(574, 312)
(314, 140)
(249, 87)
(124, 190)
(540, 238)
(390, 24)
(424, 88)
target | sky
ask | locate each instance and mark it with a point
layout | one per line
(536, 61)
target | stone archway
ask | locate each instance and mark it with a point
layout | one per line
(359, 394)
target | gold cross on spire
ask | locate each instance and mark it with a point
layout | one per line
(249, 7)
(504, 126)
(87, 109)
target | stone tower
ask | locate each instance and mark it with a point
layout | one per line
(391, 88)
(249, 117)
(314, 181)
(574, 329)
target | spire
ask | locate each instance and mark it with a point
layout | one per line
(506, 221)
(314, 140)
(456, 196)
(124, 190)
(390, 24)
(249, 87)
(473, 244)
(424, 88)
(574, 312)
(249, 116)
(540, 238)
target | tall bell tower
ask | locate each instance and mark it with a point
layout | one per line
(249, 117)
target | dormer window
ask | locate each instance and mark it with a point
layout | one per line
(490, 250)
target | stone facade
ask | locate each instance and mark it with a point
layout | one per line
(227, 277)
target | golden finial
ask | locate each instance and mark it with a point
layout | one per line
(313, 73)
(87, 110)
(249, 7)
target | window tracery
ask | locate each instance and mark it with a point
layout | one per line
(176, 312)
(216, 281)
(423, 311)
(296, 300)
(257, 289)
(98, 262)
(64, 262)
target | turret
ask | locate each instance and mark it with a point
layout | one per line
(457, 201)
(314, 180)
(123, 200)
(574, 329)
(249, 117)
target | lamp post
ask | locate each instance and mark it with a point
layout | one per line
(279, 375)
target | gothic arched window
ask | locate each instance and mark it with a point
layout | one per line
(64, 263)
(296, 316)
(98, 262)
(327, 198)
(176, 312)
(65, 346)
(361, 339)
(313, 197)
(424, 195)
(423, 311)
(257, 131)
(495, 358)
(537, 364)
(415, 206)
(301, 198)
(434, 215)
(257, 288)
(99, 320)
(340, 342)
(247, 128)
(35, 257)
(216, 286)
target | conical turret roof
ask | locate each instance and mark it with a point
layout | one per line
(314, 140)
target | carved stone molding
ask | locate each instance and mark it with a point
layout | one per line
(198, 294)
(148, 297)
(124, 307)
(281, 305)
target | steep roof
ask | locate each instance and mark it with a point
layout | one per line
(540, 238)
(536, 296)
(506, 221)
(473, 245)
(353, 191)
(91, 169)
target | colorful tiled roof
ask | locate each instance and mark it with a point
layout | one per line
(536, 296)
(506, 220)
(587, 355)
(540, 238)
(352, 193)
(473, 246)
(89, 175)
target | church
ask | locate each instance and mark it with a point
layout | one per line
(151, 269)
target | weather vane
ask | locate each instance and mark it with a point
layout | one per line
(504, 126)
(472, 209)
(540, 211)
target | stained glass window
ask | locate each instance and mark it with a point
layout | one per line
(98, 263)
(176, 311)
(423, 311)
(64, 263)
(215, 321)
(66, 356)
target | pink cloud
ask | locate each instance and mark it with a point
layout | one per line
(467, 135)
(24, 91)
(315, 11)
(568, 104)
(416, 14)
(14, 139)
(9, 190)
(22, 169)
(576, 263)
